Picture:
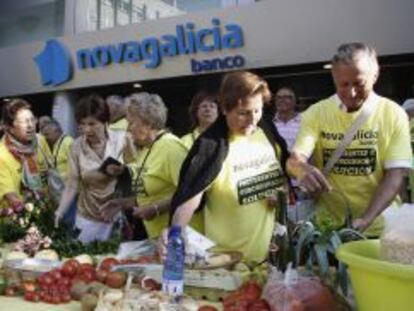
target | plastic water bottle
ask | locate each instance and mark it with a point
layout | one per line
(173, 273)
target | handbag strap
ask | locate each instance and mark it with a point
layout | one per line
(49, 165)
(55, 154)
(366, 110)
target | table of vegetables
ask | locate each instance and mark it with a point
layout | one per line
(47, 268)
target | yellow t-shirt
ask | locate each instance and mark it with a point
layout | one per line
(411, 174)
(11, 169)
(158, 178)
(189, 139)
(381, 143)
(121, 124)
(237, 216)
(60, 154)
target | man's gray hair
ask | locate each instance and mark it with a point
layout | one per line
(355, 52)
(150, 108)
(115, 100)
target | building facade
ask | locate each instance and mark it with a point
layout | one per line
(55, 51)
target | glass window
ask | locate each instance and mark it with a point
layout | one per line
(101, 14)
(107, 14)
(27, 21)
(123, 12)
(139, 12)
(86, 17)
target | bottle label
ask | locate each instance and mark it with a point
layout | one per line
(173, 288)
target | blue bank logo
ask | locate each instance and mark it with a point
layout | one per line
(186, 40)
(54, 63)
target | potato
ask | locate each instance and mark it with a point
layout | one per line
(95, 288)
(89, 302)
(78, 289)
(218, 260)
(84, 258)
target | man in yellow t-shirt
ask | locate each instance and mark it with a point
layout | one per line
(59, 145)
(370, 171)
(409, 108)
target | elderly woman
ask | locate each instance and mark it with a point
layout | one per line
(85, 178)
(237, 164)
(157, 167)
(203, 112)
(22, 156)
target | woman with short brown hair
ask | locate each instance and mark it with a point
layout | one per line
(85, 178)
(203, 112)
(235, 165)
(22, 156)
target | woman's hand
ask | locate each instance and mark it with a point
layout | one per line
(110, 209)
(146, 212)
(114, 170)
(313, 181)
(58, 217)
(162, 245)
(360, 224)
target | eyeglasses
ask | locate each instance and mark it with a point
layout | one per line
(26, 121)
(280, 97)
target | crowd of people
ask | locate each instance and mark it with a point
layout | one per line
(222, 177)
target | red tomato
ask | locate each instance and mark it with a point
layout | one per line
(73, 262)
(108, 263)
(63, 288)
(150, 284)
(86, 266)
(55, 300)
(65, 281)
(48, 280)
(56, 274)
(239, 305)
(54, 289)
(259, 305)
(42, 295)
(31, 296)
(48, 298)
(88, 275)
(251, 291)
(44, 287)
(70, 268)
(101, 275)
(116, 279)
(65, 298)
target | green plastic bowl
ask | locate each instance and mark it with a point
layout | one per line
(378, 285)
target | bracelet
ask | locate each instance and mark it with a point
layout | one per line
(155, 206)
